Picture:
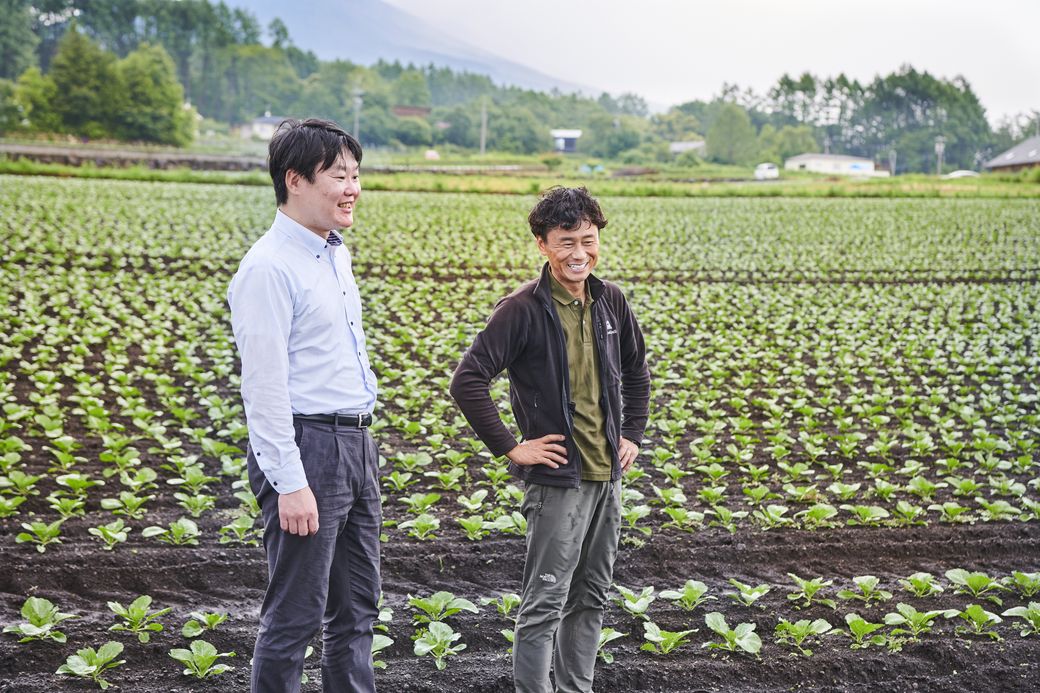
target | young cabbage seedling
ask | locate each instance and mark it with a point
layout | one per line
(91, 664)
(41, 618)
(692, 595)
(422, 527)
(110, 534)
(911, 621)
(817, 515)
(511, 523)
(976, 584)
(201, 660)
(636, 604)
(127, 504)
(747, 594)
(607, 635)
(978, 621)
(662, 641)
(137, 619)
(1026, 584)
(40, 533)
(868, 590)
(921, 585)
(795, 634)
(504, 604)
(436, 640)
(807, 591)
(181, 532)
(743, 637)
(860, 630)
(952, 512)
(475, 527)
(379, 643)
(439, 606)
(473, 502)
(200, 622)
(1030, 616)
(240, 531)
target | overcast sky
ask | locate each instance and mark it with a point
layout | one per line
(671, 51)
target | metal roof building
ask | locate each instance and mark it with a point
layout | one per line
(1023, 155)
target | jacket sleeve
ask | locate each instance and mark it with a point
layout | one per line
(635, 375)
(493, 350)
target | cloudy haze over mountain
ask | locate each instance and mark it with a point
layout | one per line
(363, 31)
(671, 51)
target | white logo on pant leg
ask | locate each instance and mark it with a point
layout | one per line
(548, 577)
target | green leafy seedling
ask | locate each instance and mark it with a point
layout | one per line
(201, 660)
(978, 620)
(743, 637)
(661, 641)
(436, 640)
(861, 631)
(1030, 616)
(439, 606)
(807, 591)
(921, 585)
(797, 633)
(137, 619)
(41, 618)
(746, 594)
(912, 622)
(92, 664)
(180, 532)
(40, 533)
(607, 635)
(635, 603)
(868, 590)
(110, 534)
(379, 643)
(1026, 584)
(693, 594)
(201, 621)
(504, 604)
(976, 584)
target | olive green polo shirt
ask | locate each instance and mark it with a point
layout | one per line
(590, 433)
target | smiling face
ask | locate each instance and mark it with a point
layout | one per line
(572, 254)
(328, 202)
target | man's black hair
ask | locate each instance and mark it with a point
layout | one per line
(566, 208)
(307, 147)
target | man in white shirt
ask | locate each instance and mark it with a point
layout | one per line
(309, 392)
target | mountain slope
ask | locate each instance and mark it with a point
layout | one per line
(364, 31)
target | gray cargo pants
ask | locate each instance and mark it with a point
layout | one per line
(328, 580)
(572, 540)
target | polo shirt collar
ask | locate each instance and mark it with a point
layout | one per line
(561, 295)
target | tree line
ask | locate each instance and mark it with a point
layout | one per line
(145, 70)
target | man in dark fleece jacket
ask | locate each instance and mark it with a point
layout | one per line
(580, 391)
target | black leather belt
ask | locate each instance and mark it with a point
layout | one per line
(348, 420)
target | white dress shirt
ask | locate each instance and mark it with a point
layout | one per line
(296, 315)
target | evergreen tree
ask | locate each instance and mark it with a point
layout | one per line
(90, 94)
(154, 99)
(731, 138)
(17, 40)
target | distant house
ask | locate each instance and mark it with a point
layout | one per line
(565, 141)
(1023, 155)
(837, 164)
(697, 146)
(262, 128)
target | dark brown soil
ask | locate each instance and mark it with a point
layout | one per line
(80, 577)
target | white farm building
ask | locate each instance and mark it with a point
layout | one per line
(837, 164)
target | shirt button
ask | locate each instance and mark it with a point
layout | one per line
(318, 256)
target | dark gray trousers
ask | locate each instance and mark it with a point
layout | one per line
(572, 540)
(330, 579)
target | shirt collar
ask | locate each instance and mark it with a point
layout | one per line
(561, 295)
(290, 228)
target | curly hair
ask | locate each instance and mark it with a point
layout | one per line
(566, 208)
(307, 147)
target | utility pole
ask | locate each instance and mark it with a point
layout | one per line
(940, 148)
(483, 125)
(892, 154)
(357, 112)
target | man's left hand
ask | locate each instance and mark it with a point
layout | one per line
(627, 451)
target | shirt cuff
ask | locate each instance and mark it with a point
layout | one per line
(284, 478)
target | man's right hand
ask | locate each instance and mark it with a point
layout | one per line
(298, 512)
(542, 450)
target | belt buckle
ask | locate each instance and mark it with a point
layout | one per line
(364, 420)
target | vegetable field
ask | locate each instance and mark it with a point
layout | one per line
(839, 487)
